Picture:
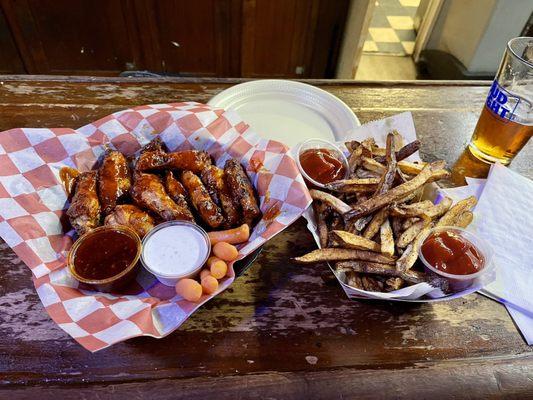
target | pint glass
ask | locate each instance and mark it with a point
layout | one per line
(506, 121)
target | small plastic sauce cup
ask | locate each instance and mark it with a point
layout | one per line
(460, 282)
(175, 250)
(320, 144)
(97, 239)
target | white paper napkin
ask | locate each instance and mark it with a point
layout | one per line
(379, 129)
(505, 209)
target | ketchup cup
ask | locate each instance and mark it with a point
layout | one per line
(320, 144)
(460, 282)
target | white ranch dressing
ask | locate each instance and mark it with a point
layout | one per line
(175, 250)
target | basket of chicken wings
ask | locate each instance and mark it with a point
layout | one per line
(132, 222)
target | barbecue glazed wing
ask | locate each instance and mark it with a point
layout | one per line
(241, 189)
(213, 178)
(189, 160)
(126, 214)
(114, 180)
(176, 191)
(151, 160)
(153, 156)
(154, 145)
(84, 210)
(200, 199)
(148, 192)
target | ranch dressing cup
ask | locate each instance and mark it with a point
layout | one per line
(175, 250)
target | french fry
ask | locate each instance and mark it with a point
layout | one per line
(364, 173)
(379, 151)
(360, 223)
(393, 284)
(352, 145)
(396, 193)
(463, 220)
(410, 234)
(456, 210)
(320, 216)
(411, 168)
(372, 165)
(337, 254)
(354, 280)
(415, 194)
(438, 175)
(336, 223)
(368, 144)
(406, 223)
(387, 179)
(396, 225)
(371, 284)
(355, 158)
(409, 256)
(404, 152)
(387, 239)
(398, 141)
(373, 227)
(414, 168)
(411, 210)
(439, 209)
(337, 204)
(380, 269)
(351, 241)
(353, 185)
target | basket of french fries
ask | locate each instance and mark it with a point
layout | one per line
(370, 226)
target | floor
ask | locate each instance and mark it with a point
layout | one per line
(391, 29)
(374, 67)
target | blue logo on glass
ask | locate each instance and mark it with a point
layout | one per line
(498, 101)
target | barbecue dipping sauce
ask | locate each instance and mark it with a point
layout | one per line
(451, 253)
(322, 166)
(104, 254)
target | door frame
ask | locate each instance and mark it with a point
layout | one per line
(426, 27)
(355, 33)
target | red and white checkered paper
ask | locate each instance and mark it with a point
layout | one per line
(33, 204)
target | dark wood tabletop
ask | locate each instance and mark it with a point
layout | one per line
(281, 331)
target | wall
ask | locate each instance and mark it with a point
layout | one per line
(476, 31)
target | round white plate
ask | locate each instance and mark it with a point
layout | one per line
(288, 111)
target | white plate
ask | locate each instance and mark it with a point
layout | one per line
(288, 111)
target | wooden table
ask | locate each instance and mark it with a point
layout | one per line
(281, 331)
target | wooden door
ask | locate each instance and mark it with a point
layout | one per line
(10, 60)
(291, 38)
(191, 38)
(93, 37)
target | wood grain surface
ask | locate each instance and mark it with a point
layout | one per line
(281, 331)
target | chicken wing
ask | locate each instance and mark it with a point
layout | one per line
(200, 199)
(151, 160)
(148, 192)
(84, 210)
(176, 191)
(154, 145)
(126, 214)
(213, 178)
(114, 180)
(241, 189)
(189, 160)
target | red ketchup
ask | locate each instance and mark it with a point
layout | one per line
(451, 253)
(322, 166)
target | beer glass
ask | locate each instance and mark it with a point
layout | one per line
(506, 121)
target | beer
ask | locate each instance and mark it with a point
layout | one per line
(506, 121)
(498, 139)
